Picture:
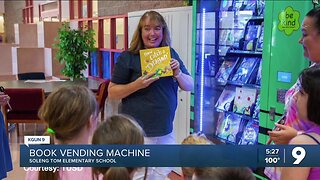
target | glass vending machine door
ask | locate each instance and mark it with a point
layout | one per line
(229, 40)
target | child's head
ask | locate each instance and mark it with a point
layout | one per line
(196, 139)
(222, 173)
(307, 98)
(71, 116)
(193, 139)
(117, 129)
(69, 111)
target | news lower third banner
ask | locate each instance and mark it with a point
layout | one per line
(169, 155)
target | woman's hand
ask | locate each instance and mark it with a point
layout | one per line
(283, 136)
(175, 66)
(145, 81)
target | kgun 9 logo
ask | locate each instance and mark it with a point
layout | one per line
(299, 153)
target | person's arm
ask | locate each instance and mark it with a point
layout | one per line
(297, 173)
(283, 136)
(120, 91)
(184, 80)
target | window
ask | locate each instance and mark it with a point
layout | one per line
(120, 33)
(50, 11)
(27, 12)
(84, 9)
(95, 27)
(111, 34)
(106, 33)
(94, 8)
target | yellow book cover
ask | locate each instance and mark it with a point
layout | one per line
(156, 60)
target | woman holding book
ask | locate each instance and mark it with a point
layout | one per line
(150, 99)
(294, 125)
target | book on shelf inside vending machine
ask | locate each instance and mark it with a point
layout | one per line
(244, 70)
(228, 127)
(226, 69)
(244, 101)
(226, 98)
(252, 33)
(250, 133)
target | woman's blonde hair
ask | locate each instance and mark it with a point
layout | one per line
(117, 129)
(67, 111)
(136, 43)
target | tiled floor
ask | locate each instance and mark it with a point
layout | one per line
(25, 129)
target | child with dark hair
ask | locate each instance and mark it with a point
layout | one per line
(117, 129)
(308, 102)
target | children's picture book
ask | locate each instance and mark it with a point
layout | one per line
(248, 45)
(225, 100)
(244, 70)
(229, 127)
(253, 31)
(260, 40)
(250, 134)
(225, 69)
(156, 60)
(226, 5)
(258, 79)
(256, 111)
(244, 100)
(240, 4)
(251, 5)
(251, 36)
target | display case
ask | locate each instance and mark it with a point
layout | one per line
(246, 57)
(229, 41)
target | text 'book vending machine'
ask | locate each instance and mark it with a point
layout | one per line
(244, 66)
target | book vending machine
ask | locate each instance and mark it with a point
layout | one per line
(246, 57)
(228, 56)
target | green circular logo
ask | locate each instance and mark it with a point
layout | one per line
(289, 20)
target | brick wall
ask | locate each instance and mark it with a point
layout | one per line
(107, 8)
(13, 14)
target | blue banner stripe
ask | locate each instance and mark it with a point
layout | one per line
(168, 155)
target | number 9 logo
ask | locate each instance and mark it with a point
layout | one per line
(298, 153)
